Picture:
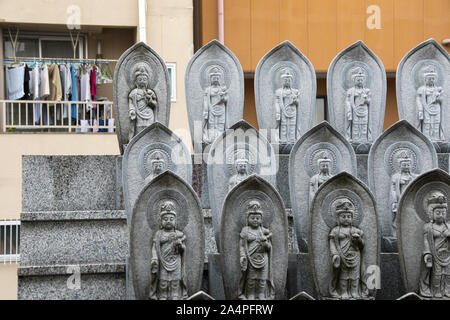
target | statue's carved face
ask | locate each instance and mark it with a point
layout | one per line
(215, 79)
(168, 221)
(157, 167)
(405, 165)
(430, 80)
(241, 167)
(359, 80)
(324, 167)
(345, 218)
(439, 215)
(287, 81)
(254, 220)
(142, 80)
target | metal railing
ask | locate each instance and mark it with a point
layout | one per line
(54, 116)
(9, 241)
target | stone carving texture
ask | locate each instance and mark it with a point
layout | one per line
(423, 234)
(320, 147)
(356, 88)
(153, 151)
(285, 94)
(254, 242)
(141, 92)
(167, 241)
(343, 239)
(214, 84)
(395, 159)
(236, 154)
(423, 90)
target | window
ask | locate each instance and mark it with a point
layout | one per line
(171, 67)
(9, 240)
(321, 109)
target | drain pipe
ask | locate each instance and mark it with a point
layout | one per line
(142, 20)
(220, 23)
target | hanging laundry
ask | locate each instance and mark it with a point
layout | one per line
(45, 86)
(26, 84)
(93, 82)
(35, 92)
(54, 83)
(14, 82)
(74, 96)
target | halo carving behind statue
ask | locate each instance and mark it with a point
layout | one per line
(206, 69)
(145, 157)
(132, 65)
(347, 81)
(393, 153)
(154, 204)
(329, 205)
(266, 206)
(420, 201)
(241, 150)
(313, 153)
(278, 69)
(418, 72)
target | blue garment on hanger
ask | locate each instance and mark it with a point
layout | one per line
(74, 92)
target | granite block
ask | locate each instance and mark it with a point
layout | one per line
(215, 280)
(283, 179)
(443, 161)
(299, 277)
(391, 279)
(361, 165)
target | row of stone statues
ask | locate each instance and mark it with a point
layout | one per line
(339, 221)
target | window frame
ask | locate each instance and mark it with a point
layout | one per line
(11, 257)
(173, 80)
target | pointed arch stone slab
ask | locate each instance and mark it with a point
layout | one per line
(211, 54)
(138, 54)
(221, 160)
(339, 81)
(144, 224)
(234, 219)
(411, 221)
(284, 55)
(302, 167)
(321, 222)
(136, 163)
(383, 164)
(409, 79)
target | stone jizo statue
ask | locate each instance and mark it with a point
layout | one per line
(286, 105)
(357, 104)
(241, 172)
(429, 106)
(167, 264)
(323, 175)
(399, 182)
(215, 101)
(346, 246)
(435, 272)
(256, 280)
(142, 103)
(157, 165)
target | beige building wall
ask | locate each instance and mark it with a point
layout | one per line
(8, 281)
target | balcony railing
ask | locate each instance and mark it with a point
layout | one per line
(57, 116)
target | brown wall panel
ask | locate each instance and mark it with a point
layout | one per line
(294, 23)
(437, 20)
(322, 33)
(391, 113)
(249, 103)
(208, 20)
(350, 22)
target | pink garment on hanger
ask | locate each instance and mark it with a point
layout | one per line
(93, 81)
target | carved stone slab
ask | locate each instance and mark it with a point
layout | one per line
(303, 166)
(428, 58)
(399, 143)
(213, 58)
(344, 98)
(234, 219)
(146, 221)
(323, 220)
(285, 61)
(156, 143)
(136, 58)
(413, 216)
(243, 143)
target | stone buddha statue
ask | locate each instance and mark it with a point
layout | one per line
(241, 165)
(255, 245)
(167, 264)
(142, 103)
(323, 164)
(157, 164)
(357, 107)
(429, 106)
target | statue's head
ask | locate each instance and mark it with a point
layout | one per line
(324, 162)
(437, 207)
(344, 212)
(287, 77)
(141, 77)
(358, 76)
(405, 162)
(215, 76)
(168, 215)
(157, 163)
(254, 214)
(241, 165)
(430, 75)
